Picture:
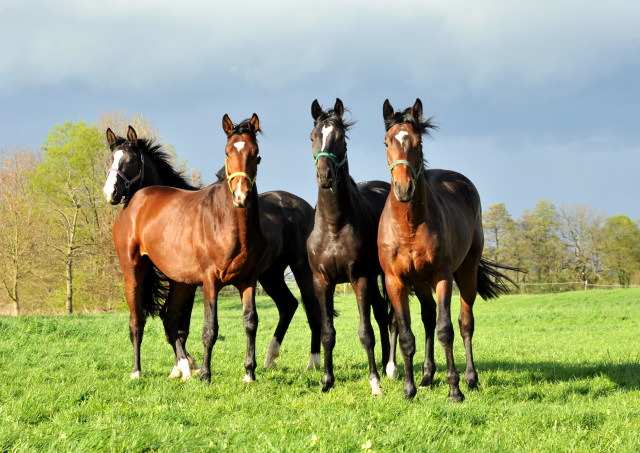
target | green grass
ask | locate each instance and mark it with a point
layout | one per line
(557, 373)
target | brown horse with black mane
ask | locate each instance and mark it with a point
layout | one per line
(210, 237)
(430, 234)
(285, 218)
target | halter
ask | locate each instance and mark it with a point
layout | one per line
(128, 182)
(415, 173)
(331, 157)
(238, 173)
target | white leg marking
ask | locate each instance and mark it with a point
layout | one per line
(135, 375)
(175, 373)
(247, 378)
(375, 387)
(325, 134)
(110, 185)
(185, 369)
(391, 370)
(400, 136)
(273, 351)
(239, 145)
(314, 361)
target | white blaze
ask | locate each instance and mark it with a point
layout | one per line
(239, 145)
(325, 134)
(400, 136)
(110, 185)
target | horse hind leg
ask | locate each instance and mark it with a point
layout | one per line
(176, 319)
(365, 331)
(134, 292)
(379, 305)
(304, 279)
(428, 314)
(273, 283)
(466, 277)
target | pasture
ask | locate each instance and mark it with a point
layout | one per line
(556, 373)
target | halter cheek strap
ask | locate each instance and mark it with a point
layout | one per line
(238, 173)
(415, 173)
(128, 182)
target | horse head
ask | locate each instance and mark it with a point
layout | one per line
(328, 141)
(404, 147)
(126, 166)
(241, 161)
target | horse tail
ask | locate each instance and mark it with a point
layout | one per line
(154, 292)
(493, 283)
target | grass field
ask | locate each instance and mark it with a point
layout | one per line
(557, 373)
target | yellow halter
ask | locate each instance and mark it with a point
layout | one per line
(238, 173)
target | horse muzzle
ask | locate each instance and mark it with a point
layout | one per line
(404, 192)
(325, 177)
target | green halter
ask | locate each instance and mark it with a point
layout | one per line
(332, 157)
(415, 173)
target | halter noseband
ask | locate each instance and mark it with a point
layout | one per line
(238, 173)
(415, 173)
(128, 182)
(331, 157)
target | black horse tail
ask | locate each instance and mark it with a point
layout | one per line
(491, 282)
(154, 292)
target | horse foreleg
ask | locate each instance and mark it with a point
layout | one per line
(176, 324)
(324, 292)
(391, 368)
(399, 296)
(468, 282)
(304, 279)
(133, 291)
(365, 331)
(428, 311)
(250, 320)
(210, 327)
(379, 306)
(444, 329)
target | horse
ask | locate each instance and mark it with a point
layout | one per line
(430, 234)
(210, 237)
(285, 219)
(342, 245)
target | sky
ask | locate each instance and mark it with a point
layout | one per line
(533, 99)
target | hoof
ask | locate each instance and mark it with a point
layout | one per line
(269, 363)
(456, 397)
(326, 387)
(314, 362)
(205, 377)
(135, 375)
(375, 387)
(391, 370)
(410, 391)
(472, 382)
(175, 373)
(247, 378)
(427, 381)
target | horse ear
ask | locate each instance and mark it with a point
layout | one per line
(416, 110)
(227, 125)
(316, 110)
(387, 109)
(254, 124)
(339, 108)
(111, 137)
(132, 136)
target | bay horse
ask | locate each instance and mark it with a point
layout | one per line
(286, 220)
(342, 245)
(430, 234)
(210, 236)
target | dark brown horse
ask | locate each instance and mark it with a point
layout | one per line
(342, 246)
(210, 237)
(430, 234)
(286, 221)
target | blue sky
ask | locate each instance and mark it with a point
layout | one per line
(533, 99)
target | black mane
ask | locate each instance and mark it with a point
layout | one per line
(421, 127)
(331, 118)
(162, 162)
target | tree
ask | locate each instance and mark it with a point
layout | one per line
(540, 231)
(21, 221)
(622, 247)
(580, 230)
(67, 179)
(498, 227)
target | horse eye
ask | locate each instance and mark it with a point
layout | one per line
(226, 154)
(259, 159)
(386, 145)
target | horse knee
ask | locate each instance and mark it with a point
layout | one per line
(445, 333)
(407, 343)
(328, 337)
(251, 321)
(367, 338)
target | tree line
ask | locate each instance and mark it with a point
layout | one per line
(56, 250)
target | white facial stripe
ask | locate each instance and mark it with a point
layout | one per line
(325, 134)
(239, 145)
(400, 136)
(110, 185)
